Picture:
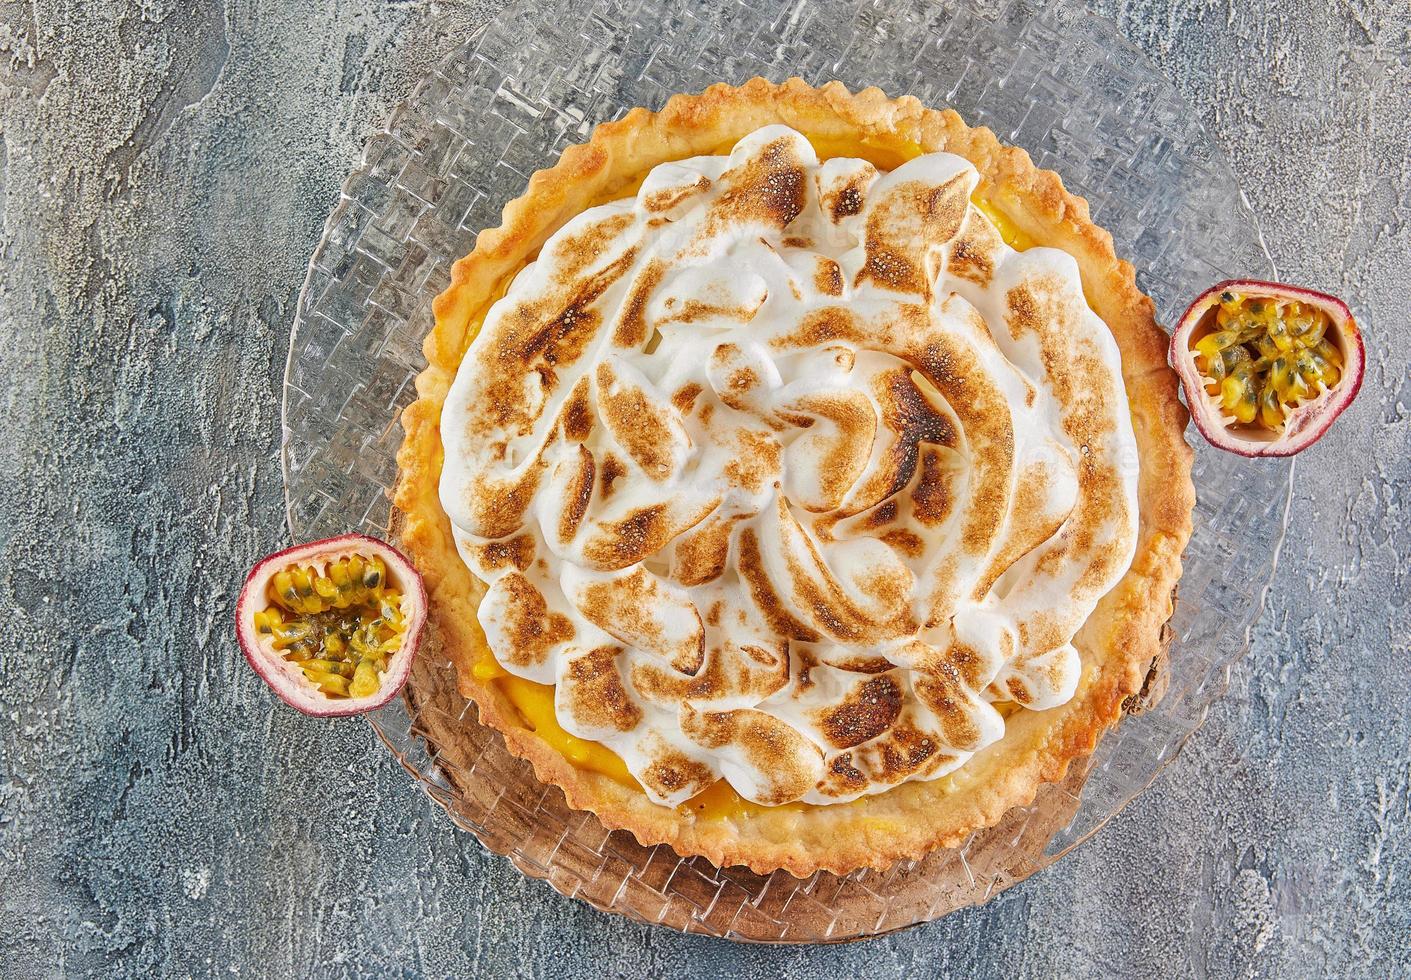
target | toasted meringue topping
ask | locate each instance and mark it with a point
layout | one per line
(785, 472)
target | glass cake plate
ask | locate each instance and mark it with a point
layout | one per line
(1061, 84)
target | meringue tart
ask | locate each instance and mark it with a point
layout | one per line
(797, 477)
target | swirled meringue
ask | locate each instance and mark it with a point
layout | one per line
(785, 472)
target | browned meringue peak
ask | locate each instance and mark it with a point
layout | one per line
(782, 472)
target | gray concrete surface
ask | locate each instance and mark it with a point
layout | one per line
(166, 168)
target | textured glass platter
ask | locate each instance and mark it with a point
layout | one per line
(1062, 85)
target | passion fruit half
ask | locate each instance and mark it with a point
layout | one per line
(333, 626)
(1266, 366)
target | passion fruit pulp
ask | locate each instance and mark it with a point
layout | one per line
(1266, 366)
(333, 626)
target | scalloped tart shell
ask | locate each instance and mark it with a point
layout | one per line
(1119, 642)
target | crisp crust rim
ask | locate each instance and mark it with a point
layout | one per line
(1120, 640)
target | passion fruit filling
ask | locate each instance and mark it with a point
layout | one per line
(340, 624)
(1263, 356)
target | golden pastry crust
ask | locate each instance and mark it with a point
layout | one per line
(1119, 641)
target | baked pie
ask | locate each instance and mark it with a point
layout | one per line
(797, 477)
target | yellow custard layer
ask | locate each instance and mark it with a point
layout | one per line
(535, 702)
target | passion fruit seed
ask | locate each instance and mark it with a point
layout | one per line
(340, 626)
(1265, 356)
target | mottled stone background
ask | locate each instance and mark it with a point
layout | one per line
(166, 168)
